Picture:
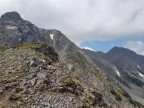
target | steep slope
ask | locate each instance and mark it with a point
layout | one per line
(83, 67)
(44, 68)
(14, 31)
(124, 66)
(31, 76)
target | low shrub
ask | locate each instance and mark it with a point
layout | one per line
(14, 97)
(113, 92)
(118, 97)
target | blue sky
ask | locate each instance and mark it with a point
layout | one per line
(103, 46)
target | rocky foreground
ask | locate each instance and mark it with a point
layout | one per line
(31, 76)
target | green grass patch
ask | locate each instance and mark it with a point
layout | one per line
(3, 48)
(95, 72)
(15, 55)
(70, 82)
(117, 96)
(31, 45)
(79, 59)
(123, 92)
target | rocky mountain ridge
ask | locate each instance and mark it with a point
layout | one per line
(44, 69)
(125, 67)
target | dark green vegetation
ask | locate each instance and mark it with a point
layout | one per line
(118, 97)
(3, 48)
(33, 45)
(123, 92)
(120, 92)
(14, 97)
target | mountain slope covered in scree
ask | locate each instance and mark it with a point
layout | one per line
(125, 67)
(43, 69)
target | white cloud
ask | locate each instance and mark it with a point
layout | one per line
(83, 20)
(88, 48)
(137, 46)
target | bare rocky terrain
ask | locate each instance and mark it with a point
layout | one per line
(44, 69)
(125, 67)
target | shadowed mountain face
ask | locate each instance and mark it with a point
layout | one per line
(14, 31)
(11, 16)
(43, 68)
(125, 67)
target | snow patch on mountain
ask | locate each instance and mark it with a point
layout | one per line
(141, 75)
(51, 36)
(11, 27)
(88, 48)
(118, 73)
(139, 67)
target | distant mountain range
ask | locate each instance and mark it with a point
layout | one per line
(125, 67)
(43, 69)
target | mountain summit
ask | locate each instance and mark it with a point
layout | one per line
(42, 68)
(11, 16)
